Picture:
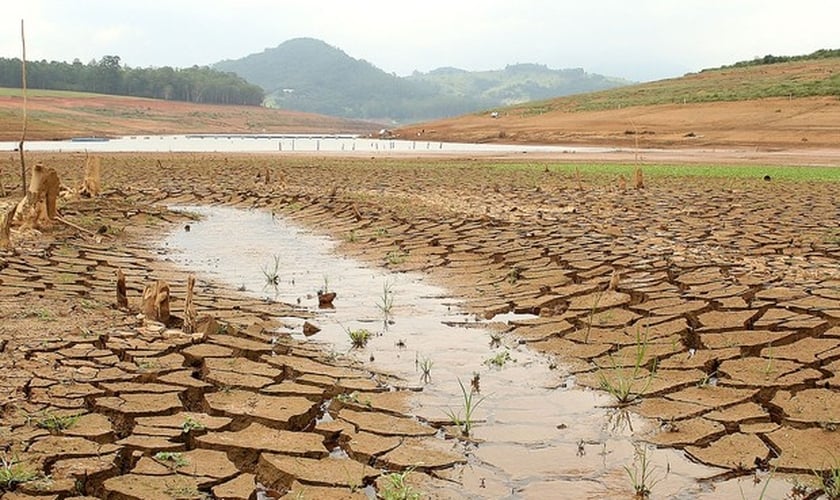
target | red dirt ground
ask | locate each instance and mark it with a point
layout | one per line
(766, 124)
(109, 116)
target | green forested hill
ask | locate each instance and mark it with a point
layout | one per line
(109, 76)
(305, 74)
(517, 83)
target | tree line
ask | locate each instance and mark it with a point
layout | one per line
(199, 84)
(771, 59)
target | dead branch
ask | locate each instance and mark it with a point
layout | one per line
(189, 307)
(76, 227)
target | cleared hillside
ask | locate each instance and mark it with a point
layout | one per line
(62, 115)
(775, 105)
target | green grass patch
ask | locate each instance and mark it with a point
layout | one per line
(13, 473)
(757, 172)
(533, 172)
(781, 173)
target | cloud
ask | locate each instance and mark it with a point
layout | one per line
(639, 39)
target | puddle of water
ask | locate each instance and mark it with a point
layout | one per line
(538, 433)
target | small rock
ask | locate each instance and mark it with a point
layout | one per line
(309, 329)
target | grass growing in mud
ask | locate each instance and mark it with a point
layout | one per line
(358, 338)
(627, 384)
(397, 488)
(828, 481)
(13, 473)
(641, 475)
(469, 403)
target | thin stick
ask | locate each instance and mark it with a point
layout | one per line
(78, 228)
(23, 133)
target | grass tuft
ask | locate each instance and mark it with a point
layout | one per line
(173, 459)
(828, 481)
(626, 385)
(499, 359)
(272, 274)
(56, 424)
(641, 474)
(13, 473)
(469, 403)
(425, 366)
(359, 338)
(396, 487)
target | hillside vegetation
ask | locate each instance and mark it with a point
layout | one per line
(779, 104)
(515, 83)
(309, 75)
(806, 77)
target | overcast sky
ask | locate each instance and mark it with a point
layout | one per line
(634, 39)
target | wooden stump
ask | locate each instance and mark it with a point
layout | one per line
(638, 178)
(92, 184)
(6, 229)
(41, 197)
(155, 305)
(122, 296)
(614, 280)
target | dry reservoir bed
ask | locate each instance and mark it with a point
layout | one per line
(710, 306)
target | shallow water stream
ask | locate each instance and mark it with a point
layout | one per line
(539, 436)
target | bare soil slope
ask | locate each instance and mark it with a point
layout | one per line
(767, 123)
(61, 115)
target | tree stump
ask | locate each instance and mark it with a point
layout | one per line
(92, 184)
(638, 178)
(122, 296)
(614, 280)
(41, 197)
(6, 229)
(155, 304)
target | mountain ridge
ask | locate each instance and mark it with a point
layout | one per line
(307, 74)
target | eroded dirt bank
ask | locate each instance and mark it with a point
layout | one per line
(717, 301)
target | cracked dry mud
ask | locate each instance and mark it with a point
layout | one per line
(731, 287)
(101, 403)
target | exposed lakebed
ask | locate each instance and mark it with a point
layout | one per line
(537, 435)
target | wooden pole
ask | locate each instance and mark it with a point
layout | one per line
(23, 132)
